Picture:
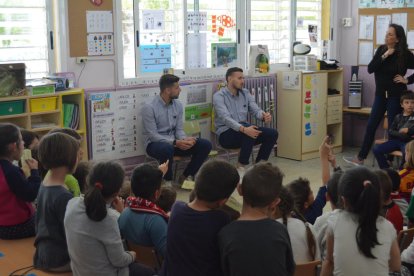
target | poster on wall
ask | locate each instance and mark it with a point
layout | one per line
(197, 21)
(367, 4)
(390, 4)
(198, 112)
(258, 59)
(410, 3)
(197, 51)
(153, 19)
(100, 44)
(116, 123)
(313, 35)
(223, 54)
(155, 58)
(382, 23)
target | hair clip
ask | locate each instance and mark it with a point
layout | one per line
(99, 186)
(366, 183)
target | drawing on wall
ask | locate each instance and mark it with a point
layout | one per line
(225, 21)
(153, 19)
(223, 54)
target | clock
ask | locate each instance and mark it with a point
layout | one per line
(96, 2)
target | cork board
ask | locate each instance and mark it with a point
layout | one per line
(77, 24)
(376, 12)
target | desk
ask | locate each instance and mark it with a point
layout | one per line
(358, 111)
(16, 254)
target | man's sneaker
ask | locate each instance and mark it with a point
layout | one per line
(188, 183)
(354, 160)
(241, 170)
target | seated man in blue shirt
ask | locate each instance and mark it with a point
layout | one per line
(232, 104)
(163, 130)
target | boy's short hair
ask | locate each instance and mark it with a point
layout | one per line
(145, 180)
(68, 131)
(167, 81)
(385, 184)
(261, 184)
(167, 198)
(215, 180)
(407, 95)
(332, 187)
(58, 150)
(28, 137)
(395, 178)
(231, 70)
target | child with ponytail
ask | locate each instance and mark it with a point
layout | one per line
(92, 231)
(358, 240)
(302, 236)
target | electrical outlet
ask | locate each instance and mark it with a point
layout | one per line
(80, 60)
(347, 22)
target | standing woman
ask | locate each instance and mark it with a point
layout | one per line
(389, 65)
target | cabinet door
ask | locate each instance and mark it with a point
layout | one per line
(314, 91)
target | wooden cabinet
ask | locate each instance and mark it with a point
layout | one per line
(43, 113)
(306, 113)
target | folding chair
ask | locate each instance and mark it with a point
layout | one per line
(146, 255)
(404, 238)
(307, 269)
(397, 153)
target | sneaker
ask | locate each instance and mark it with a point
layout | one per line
(241, 170)
(354, 160)
(188, 183)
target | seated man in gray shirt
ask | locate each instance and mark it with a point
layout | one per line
(163, 130)
(232, 105)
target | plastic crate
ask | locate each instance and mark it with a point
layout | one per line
(43, 104)
(12, 107)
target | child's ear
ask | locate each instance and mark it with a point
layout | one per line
(306, 205)
(157, 193)
(275, 203)
(239, 189)
(222, 202)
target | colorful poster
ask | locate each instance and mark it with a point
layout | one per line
(223, 54)
(100, 44)
(155, 58)
(197, 112)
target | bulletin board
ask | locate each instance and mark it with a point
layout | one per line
(77, 9)
(364, 44)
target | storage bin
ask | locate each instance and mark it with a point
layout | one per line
(12, 107)
(304, 63)
(43, 104)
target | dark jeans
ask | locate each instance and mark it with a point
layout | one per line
(164, 151)
(381, 150)
(381, 104)
(234, 139)
(137, 269)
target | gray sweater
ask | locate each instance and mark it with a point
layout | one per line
(95, 248)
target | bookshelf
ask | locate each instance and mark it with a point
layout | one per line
(43, 113)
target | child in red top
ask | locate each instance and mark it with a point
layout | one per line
(407, 174)
(16, 192)
(390, 210)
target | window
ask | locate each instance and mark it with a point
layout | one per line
(24, 35)
(156, 28)
(213, 44)
(308, 12)
(270, 25)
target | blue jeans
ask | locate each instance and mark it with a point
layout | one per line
(234, 139)
(381, 150)
(163, 151)
(381, 104)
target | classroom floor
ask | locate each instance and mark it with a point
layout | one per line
(293, 169)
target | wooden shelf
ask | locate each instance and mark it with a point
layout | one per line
(8, 99)
(13, 116)
(45, 112)
(40, 129)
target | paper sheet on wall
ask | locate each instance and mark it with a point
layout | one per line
(153, 19)
(100, 44)
(155, 58)
(390, 4)
(366, 27)
(99, 22)
(400, 19)
(291, 80)
(383, 21)
(197, 21)
(410, 39)
(367, 4)
(365, 52)
(410, 3)
(197, 51)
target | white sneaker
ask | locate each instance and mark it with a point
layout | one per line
(188, 184)
(241, 171)
(354, 160)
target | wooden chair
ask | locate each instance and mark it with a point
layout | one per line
(307, 269)
(405, 237)
(397, 153)
(146, 255)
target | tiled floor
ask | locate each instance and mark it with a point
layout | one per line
(309, 169)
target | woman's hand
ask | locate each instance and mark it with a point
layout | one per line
(400, 79)
(388, 53)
